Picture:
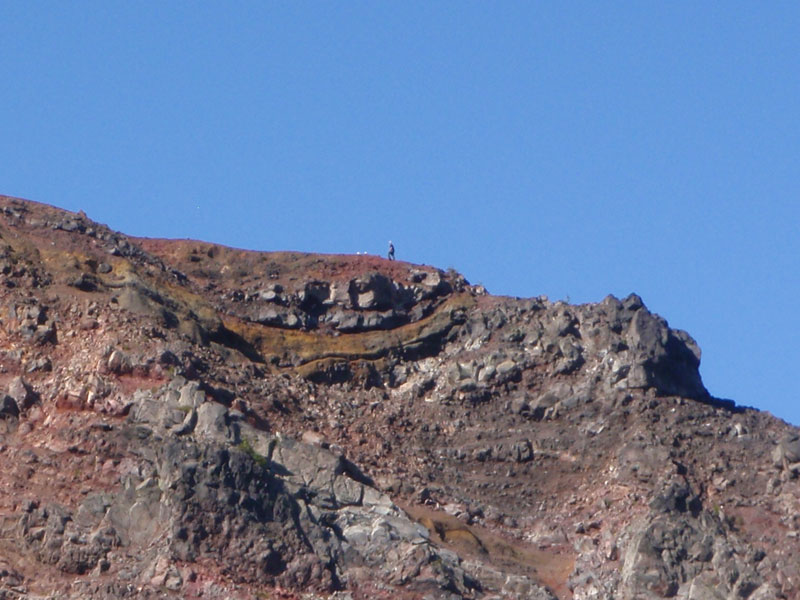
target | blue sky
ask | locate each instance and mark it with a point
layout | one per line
(570, 149)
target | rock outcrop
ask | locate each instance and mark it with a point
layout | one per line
(179, 419)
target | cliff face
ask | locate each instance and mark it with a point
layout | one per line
(180, 419)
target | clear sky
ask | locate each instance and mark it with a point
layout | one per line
(572, 149)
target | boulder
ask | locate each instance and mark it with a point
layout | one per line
(278, 317)
(8, 408)
(191, 395)
(786, 452)
(119, 363)
(22, 393)
(373, 291)
(84, 282)
(213, 423)
(522, 451)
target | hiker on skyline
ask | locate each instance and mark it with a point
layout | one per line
(391, 250)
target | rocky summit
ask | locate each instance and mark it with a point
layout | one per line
(180, 419)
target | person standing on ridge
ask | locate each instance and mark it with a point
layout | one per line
(391, 250)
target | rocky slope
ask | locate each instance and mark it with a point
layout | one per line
(184, 420)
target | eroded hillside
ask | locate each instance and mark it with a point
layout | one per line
(181, 419)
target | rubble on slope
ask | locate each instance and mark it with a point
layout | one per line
(179, 419)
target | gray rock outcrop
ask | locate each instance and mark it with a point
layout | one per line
(277, 510)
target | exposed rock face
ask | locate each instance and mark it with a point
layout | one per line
(179, 419)
(273, 509)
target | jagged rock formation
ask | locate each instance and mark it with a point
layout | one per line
(179, 419)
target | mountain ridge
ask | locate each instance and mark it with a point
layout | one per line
(183, 419)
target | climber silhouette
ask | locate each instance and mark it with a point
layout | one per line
(391, 250)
